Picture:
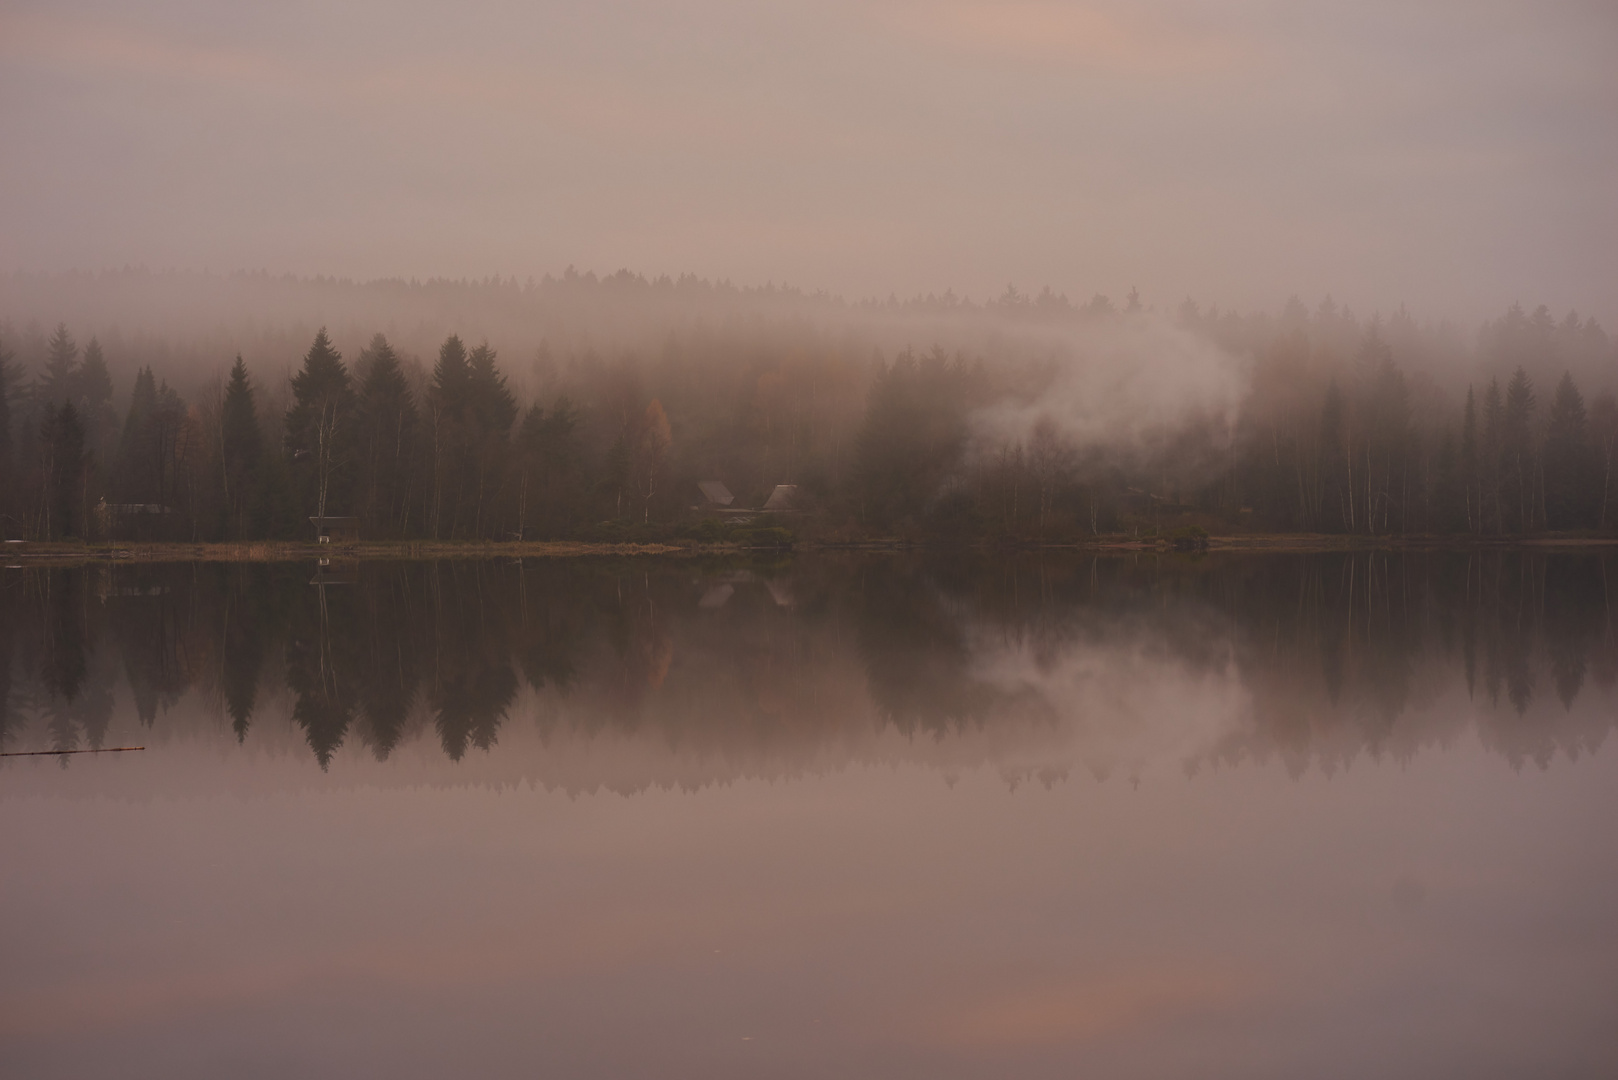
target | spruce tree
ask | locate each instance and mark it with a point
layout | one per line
(1603, 427)
(545, 453)
(1334, 457)
(5, 439)
(491, 411)
(240, 445)
(93, 384)
(1447, 511)
(62, 436)
(59, 381)
(1516, 435)
(1493, 423)
(320, 426)
(169, 443)
(447, 401)
(93, 395)
(493, 406)
(134, 478)
(387, 438)
(1567, 459)
(452, 375)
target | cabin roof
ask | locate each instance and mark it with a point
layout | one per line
(716, 493)
(784, 497)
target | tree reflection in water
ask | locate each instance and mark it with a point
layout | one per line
(1313, 659)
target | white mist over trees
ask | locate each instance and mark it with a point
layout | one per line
(237, 407)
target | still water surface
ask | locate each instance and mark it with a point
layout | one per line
(1266, 816)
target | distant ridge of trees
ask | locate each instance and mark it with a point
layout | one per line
(1344, 428)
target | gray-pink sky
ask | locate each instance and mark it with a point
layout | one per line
(1454, 156)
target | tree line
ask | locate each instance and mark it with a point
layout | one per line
(1344, 428)
(455, 459)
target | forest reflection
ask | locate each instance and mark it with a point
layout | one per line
(1105, 663)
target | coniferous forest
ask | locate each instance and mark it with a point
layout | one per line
(1027, 418)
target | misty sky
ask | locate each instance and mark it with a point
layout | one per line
(1455, 158)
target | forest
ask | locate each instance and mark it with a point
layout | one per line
(1022, 419)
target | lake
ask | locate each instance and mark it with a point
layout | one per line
(1031, 815)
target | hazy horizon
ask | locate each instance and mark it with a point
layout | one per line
(1453, 158)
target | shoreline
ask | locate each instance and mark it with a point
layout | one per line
(59, 553)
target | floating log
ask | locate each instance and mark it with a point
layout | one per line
(48, 753)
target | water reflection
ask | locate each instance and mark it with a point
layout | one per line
(379, 830)
(1046, 663)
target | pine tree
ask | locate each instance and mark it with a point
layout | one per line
(1568, 459)
(1517, 449)
(1493, 424)
(59, 381)
(170, 448)
(452, 375)
(62, 438)
(387, 439)
(1469, 462)
(1447, 512)
(94, 384)
(493, 406)
(491, 410)
(1334, 457)
(134, 479)
(240, 451)
(92, 395)
(320, 426)
(1604, 435)
(5, 439)
(545, 454)
(1387, 442)
(447, 406)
